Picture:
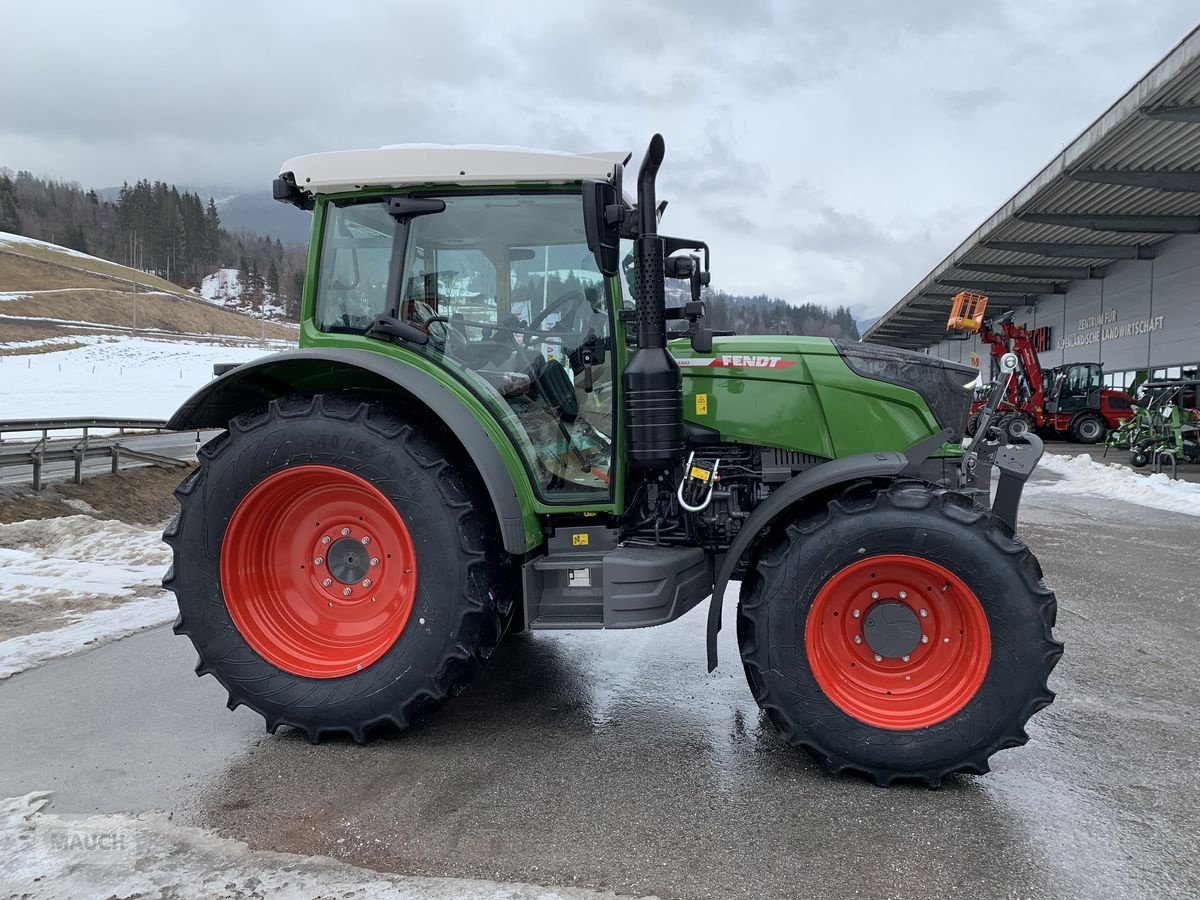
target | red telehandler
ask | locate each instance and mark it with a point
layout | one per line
(1068, 400)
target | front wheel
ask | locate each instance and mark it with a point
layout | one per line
(1087, 428)
(901, 632)
(1017, 427)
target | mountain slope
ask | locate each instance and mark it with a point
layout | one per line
(49, 293)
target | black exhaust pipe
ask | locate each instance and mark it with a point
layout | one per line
(652, 384)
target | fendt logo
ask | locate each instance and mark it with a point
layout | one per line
(736, 361)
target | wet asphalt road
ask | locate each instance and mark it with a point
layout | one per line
(614, 760)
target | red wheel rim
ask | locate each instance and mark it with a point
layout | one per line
(318, 571)
(922, 687)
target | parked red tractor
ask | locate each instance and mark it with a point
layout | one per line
(1069, 400)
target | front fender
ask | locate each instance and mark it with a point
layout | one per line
(253, 385)
(848, 469)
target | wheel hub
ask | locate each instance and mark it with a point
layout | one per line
(349, 560)
(897, 641)
(318, 571)
(892, 629)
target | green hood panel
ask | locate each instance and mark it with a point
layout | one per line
(798, 393)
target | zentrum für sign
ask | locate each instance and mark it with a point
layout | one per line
(1105, 326)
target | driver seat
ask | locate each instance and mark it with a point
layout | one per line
(557, 387)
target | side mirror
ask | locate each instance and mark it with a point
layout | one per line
(603, 212)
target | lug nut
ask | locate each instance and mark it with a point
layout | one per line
(857, 639)
(327, 582)
(318, 561)
(366, 540)
(878, 658)
(345, 592)
(366, 582)
(905, 658)
(924, 613)
(874, 595)
(925, 639)
(904, 595)
(325, 539)
(345, 531)
(857, 613)
(374, 560)
(945, 640)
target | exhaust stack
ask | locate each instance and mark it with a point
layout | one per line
(652, 384)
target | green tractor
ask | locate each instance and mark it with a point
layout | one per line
(488, 428)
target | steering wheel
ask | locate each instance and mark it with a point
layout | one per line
(565, 305)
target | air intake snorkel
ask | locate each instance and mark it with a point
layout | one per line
(652, 385)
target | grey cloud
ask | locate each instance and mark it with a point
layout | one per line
(808, 141)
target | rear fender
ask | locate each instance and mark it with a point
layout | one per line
(253, 385)
(846, 470)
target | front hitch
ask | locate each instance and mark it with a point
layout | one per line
(990, 447)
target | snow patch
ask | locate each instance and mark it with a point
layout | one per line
(21, 653)
(8, 239)
(45, 560)
(224, 288)
(1083, 475)
(45, 855)
(224, 284)
(70, 565)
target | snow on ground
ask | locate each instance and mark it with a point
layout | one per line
(61, 570)
(46, 855)
(21, 653)
(7, 238)
(135, 377)
(1083, 475)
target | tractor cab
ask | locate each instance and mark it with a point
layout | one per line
(499, 287)
(1075, 387)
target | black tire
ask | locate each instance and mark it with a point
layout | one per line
(1087, 428)
(465, 580)
(972, 424)
(1017, 426)
(1139, 456)
(919, 520)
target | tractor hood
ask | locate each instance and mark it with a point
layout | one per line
(864, 395)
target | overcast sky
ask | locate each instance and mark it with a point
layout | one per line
(829, 150)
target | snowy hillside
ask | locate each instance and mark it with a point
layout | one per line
(224, 288)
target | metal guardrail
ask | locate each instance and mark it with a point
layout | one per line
(37, 453)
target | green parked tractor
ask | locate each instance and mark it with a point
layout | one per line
(487, 428)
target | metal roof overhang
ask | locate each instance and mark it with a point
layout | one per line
(1129, 182)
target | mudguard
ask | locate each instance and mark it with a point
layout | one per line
(848, 469)
(254, 384)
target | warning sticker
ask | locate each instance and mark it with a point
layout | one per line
(702, 404)
(579, 540)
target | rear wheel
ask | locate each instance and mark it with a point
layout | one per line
(901, 632)
(333, 567)
(1087, 428)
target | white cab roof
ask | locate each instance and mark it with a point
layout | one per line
(414, 164)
